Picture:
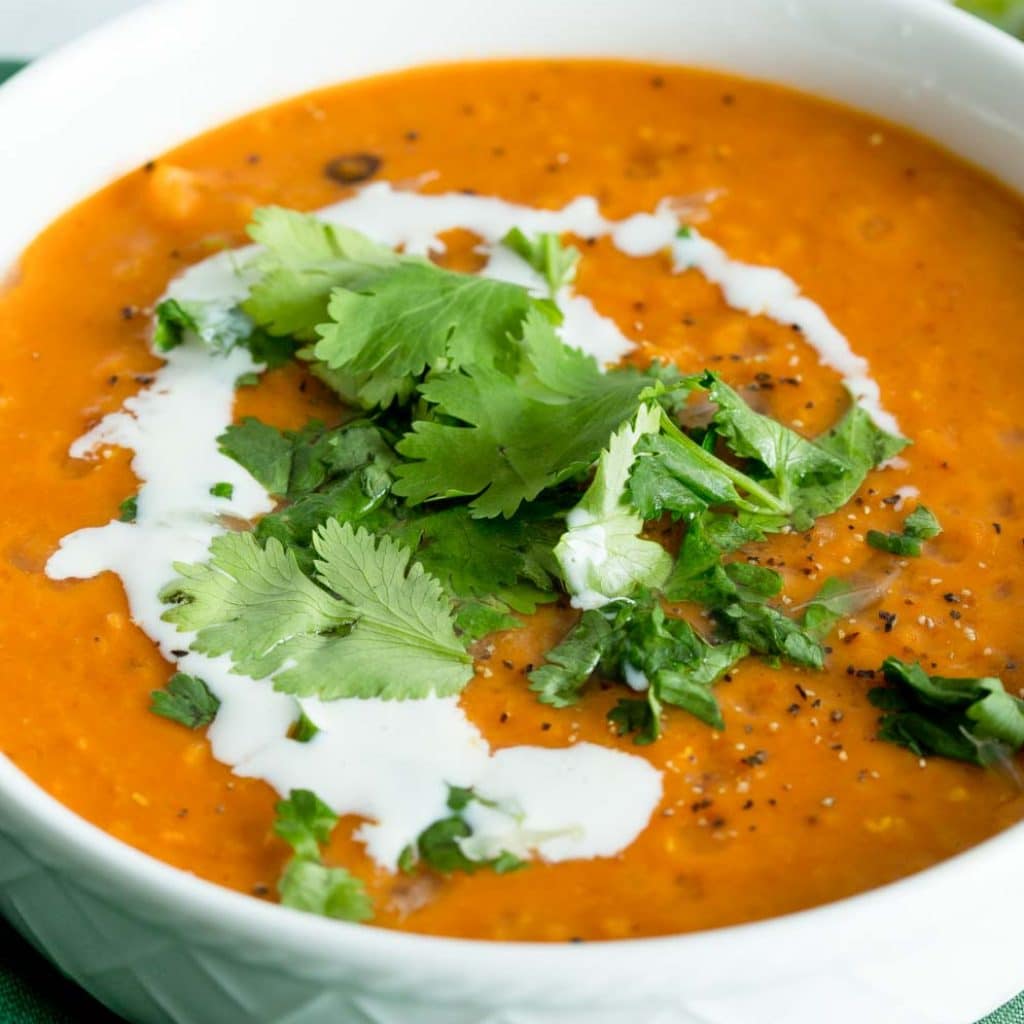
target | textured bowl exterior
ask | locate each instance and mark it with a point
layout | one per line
(158, 945)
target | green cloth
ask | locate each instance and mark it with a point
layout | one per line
(34, 992)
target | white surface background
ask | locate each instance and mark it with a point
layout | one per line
(30, 27)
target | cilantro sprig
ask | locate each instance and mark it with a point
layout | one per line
(367, 624)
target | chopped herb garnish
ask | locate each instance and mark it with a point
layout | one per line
(442, 845)
(222, 490)
(966, 719)
(128, 510)
(305, 822)
(185, 699)
(919, 526)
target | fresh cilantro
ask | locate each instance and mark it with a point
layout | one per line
(476, 619)
(185, 699)
(966, 719)
(303, 261)
(304, 729)
(858, 445)
(834, 601)
(570, 665)
(637, 716)
(262, 450)
(305, 822)
(222, 490)
(172, 321)
(555, 262)
(311, 886)
(602, 555)
(767, 631)
(442, 845)
(788, 457)
(919, 526)
(216, 326)
(247, 380)
(638, 644)
(128, 510)
(510, 562)
(413, 317)
(368, 624)
(510, 446)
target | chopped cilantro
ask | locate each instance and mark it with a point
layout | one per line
(919, 526)
(555, 262)
(304, 729)
(442, 845)
(172, 321)
(215, 325)
(222, 490)
(966, 719)
(305, 822)
(128, 510)
(185, 699)
(368, 624)
(639, 644)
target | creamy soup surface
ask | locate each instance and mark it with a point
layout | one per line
(915, 259)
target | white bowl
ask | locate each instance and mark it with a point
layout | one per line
(156, 944)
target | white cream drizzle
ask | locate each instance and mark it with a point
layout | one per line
(392, 761)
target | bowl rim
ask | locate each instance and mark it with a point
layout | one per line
(129, 871)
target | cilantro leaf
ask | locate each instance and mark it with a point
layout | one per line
(185, 699)
(305, 259)
(262, 450)
(555, 262)
(919, 526)
(416, 316)
(128, 510)
(511, 559)
(511, 447)
(389, 633)
(767, 631)
(789, 457)
(966, 719)
(638, 717)
(217, 326)
(305, 822)
(602, 554)
(443, 844)
(573, 661)
(922, 524)
(330, 892)
(859, 445)
(304, 729)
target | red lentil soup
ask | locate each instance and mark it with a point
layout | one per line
(916, 257)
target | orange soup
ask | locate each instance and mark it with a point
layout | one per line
(569, 655)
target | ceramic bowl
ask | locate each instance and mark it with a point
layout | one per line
(156, 944)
